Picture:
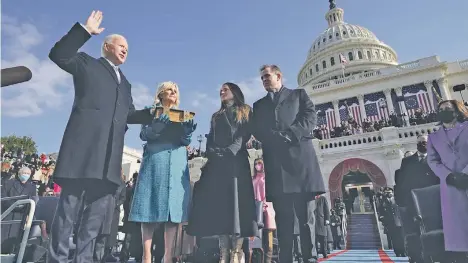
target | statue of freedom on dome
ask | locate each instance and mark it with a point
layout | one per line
(332, 4)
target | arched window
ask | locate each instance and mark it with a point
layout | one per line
(324, 64)
(334, 17)
(359, 54)
(310, 71)
(350, 56)
(332, 61)
(369, 56)
(316, 68)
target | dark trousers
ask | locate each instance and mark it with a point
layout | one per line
(287, 207)
(411, 234)
(94, 196)
(322, 244)
(157, 244)
(100, 248)
(297, 252)
(132, 246)
(336, 242)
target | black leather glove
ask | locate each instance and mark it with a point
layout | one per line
(458, 180)
(283, 136)
(210, 153)
(223, 152)
(227, 152)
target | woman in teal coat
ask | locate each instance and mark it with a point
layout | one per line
(162, 193)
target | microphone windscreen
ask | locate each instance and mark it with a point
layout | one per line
(15, 75)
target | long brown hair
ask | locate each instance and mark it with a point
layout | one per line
(122, 176)
(460, 109)
(242, 110)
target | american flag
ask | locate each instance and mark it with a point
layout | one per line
(331, 119)
(321, 121)
(326, 115)
(416, 98)
(355, 112)
(373, 104)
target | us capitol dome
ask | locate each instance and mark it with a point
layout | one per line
(341, 42)
(349, 72)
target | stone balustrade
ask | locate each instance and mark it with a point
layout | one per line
(463, 64)
(385, 138)
(388, 135)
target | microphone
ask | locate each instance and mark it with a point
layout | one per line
(15, 75)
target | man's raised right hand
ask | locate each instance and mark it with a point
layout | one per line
(93, 23)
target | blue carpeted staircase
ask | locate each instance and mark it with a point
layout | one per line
(362, 232)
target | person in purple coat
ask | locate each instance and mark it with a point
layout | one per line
(447, 155)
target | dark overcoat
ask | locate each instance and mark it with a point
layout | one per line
(322, 214)
(92, 145)
(289, 167)
(216, 200)
(336, 228)
(413, 174)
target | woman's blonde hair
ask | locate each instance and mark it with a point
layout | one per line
(163, 87)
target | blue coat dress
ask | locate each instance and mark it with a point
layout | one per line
(162, 192)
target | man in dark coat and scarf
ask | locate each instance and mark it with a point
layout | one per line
(283, 122)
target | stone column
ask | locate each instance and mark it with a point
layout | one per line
(361, 106)
(399, 93)
(430, 92)
(337, 112)
(388, 98)
(443, 86)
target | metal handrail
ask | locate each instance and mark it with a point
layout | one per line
(377, 221)
(27, 225)
(344, 225)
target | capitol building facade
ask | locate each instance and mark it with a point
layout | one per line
(350, 73)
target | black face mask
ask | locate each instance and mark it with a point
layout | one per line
(446, 116)
(422, 148)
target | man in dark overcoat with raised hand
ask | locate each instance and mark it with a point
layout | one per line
(90, 158)
(284, 121)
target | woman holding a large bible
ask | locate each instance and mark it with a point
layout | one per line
(162, 193)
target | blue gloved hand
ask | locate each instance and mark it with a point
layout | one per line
(160, 123)
(189, 127)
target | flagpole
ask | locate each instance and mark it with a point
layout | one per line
(342, 69)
